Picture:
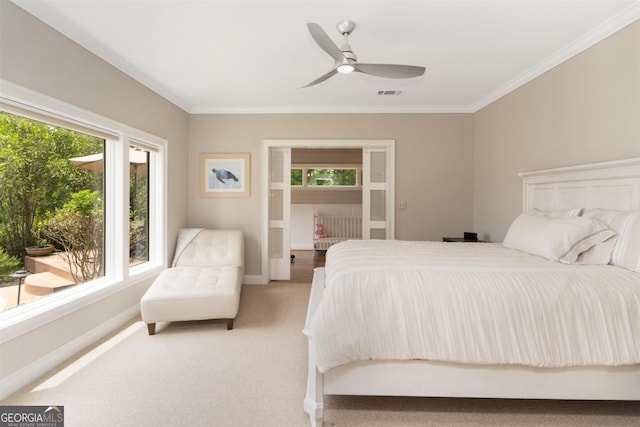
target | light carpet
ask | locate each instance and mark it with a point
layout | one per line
(200, 374)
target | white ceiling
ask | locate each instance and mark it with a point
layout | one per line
(254, 56)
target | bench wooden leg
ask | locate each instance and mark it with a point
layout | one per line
(229, 324)
(151, 327)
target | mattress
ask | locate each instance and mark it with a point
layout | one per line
(477, 303)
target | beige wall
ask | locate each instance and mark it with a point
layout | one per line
(326, 157)
(433, 167)
(36, 57)
(585, 110)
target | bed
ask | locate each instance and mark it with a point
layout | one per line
(574, 335)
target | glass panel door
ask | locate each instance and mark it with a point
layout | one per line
(279, 213)
(376, 197)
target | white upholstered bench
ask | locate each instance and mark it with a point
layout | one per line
(203, 283)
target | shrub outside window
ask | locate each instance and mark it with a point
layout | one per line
(296, 177)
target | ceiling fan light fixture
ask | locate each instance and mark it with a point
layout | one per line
(345, 61)
(345, 68)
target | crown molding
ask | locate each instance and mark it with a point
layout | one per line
(62, 25)
(338, 109)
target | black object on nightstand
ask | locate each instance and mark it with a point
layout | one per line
(468, 237)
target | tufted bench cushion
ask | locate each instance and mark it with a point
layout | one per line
(204, 284)
(191, 293)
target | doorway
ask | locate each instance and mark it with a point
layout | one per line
(378, 160)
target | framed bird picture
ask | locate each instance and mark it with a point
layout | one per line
(225, 175)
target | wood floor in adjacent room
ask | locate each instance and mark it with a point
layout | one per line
(303, 263)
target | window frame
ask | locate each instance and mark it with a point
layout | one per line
(118, 275)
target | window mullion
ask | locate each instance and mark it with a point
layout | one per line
(117, 203)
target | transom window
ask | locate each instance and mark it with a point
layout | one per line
(342, 177)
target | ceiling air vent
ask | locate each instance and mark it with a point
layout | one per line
(389, 92)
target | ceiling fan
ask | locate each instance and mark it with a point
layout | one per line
(346, 61)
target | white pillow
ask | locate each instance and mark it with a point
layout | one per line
(600, 254)
(557, 239)
(626, 252)
(569, 213)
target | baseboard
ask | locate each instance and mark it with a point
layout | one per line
(254, 279)
(22, 377)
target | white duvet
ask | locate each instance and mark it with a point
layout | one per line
(473, 303)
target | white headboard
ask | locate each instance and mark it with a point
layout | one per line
(607, 185)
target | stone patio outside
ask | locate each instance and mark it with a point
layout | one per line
(50, 274)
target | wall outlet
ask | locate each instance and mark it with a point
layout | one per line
(402, 205)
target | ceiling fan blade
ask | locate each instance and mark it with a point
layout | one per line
(325, 42)
(322, 78)
(391, 71)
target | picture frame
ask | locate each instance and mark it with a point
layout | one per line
(225, 175)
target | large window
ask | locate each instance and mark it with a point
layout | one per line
(51, 199)
(63, 217)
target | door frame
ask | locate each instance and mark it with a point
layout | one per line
(267, 144)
